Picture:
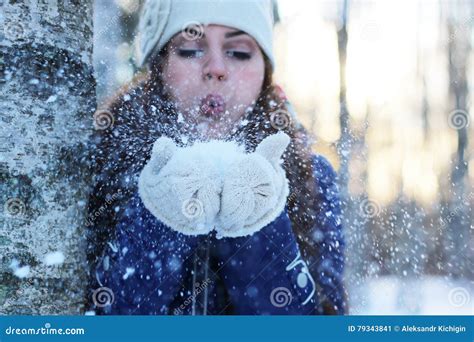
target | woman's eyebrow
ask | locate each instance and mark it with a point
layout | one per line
(234, 34)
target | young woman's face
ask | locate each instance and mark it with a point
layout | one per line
(213, 80)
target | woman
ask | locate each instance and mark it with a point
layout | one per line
(206, 82)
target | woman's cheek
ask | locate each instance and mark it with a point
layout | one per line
(182, 82)
(249, 84)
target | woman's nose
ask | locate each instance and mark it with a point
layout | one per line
(215, 67)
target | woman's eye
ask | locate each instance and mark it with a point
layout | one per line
(190, 53)
(240, 55)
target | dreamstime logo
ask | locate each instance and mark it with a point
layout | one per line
(46, 330)
(14, 31)
(92, 216)
(198, 288)
(193, 31)
(102, 297)
(24, 286)
(14, 207)
(280, 297)
(107, 26)
(459, 296)
(103, 119)
(293, 195)
(192, 208)
(456, 210)
(369, 208)
(280, 119)
(458, 119)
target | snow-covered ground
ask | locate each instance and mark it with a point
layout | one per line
(429, 295)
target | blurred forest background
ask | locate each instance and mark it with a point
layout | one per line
(386, 89)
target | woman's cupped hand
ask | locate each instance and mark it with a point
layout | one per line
(215, 185)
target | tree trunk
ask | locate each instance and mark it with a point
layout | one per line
(458, 216)
(353, 252)
(46, 100)
(345, 142)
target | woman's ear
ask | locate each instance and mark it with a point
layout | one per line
(163, 150)
(273, 146)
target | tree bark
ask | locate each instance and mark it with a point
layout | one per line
(47, 97)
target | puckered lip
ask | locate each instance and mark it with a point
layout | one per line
(212, 105)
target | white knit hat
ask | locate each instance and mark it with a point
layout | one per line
(160, 20)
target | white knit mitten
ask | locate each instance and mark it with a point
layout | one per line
(181, 187)
(255, 189)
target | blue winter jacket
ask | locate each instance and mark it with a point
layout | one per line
(151, 269)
